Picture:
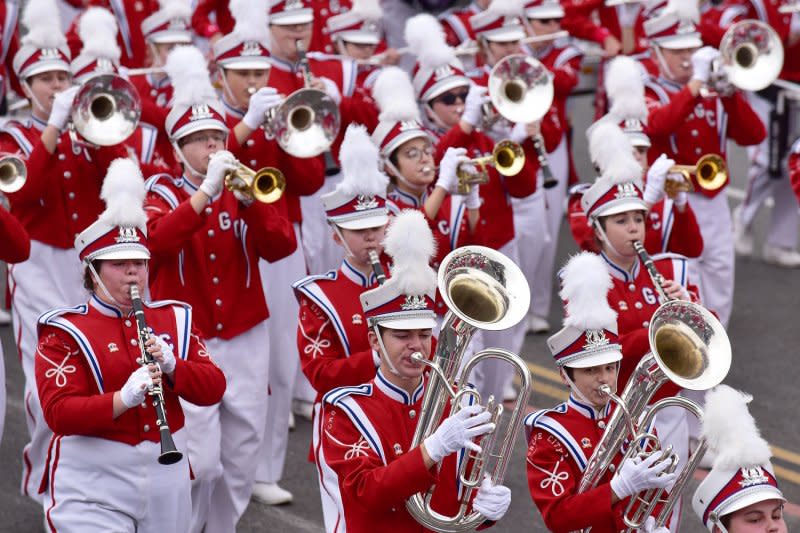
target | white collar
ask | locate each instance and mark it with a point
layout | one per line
(232, 110)
(38, 123)
(104, 308)
(587, 410)
(619, 272)
(354, 275)
(396, 393)
(409, 198)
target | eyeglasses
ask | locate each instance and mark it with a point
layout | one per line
(417, 153)
(449, 98)
(548, 21)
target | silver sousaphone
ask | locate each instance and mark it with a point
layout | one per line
(520, 88)
(106, 110)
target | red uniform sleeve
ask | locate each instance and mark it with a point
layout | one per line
(304, 177)
(201, 18)
(565, 77)
(322, 355)
(579, 225)
(553, 480)
(552, 129)
(168, 229)
(744, 125)
(794, 173)
(665, 119)
(271, 233)
(15, 245)
(198, 379)
(578, 21)
(685, 238)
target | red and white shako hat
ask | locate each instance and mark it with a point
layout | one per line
(359, 200)
(742, 473)
(544, 9)
(290, 12)
(674, 26)
(619, 187)
(624, 84)
(195, 105)
(360, 25)
(500, 22)
(170, 24)
(399, 117)
(438, 69)
(589, 336)
(44, 48)
(247, 46)
(100, 54)
(406, 299)
(121, 230)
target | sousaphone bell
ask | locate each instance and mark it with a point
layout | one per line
(106, 110)
(13, 173)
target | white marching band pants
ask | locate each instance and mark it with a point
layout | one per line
(784, 219)
(100, 485)
(224, 440)
(50, 279)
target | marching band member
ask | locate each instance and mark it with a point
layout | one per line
(740, 494)
(458, 30)
(562, 439)
(60, 198)
(367, 465)
(91, 383)
(498, 30)
(206, 243)
(331, 333)
(212, 19)
(685, 125)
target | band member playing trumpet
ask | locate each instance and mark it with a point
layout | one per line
(561, 440)
(206, 243)
(368, 465)
(93, 390)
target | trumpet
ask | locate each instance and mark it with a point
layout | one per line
(507, 157)
(266, 185)
(710, 171)
(483, 289)
(13, 173)
(106, 111)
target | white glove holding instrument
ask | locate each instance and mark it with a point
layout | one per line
(656, 177)
(701, 63)
(473, 104)
(260, 103)
(473, 200)
(635, 475)
(135, 389)
(448, 167)
(492, 501)
(457, 431)
(650, 527)
(219, 164)
(681, 199)
(62, 106)
(167, 362)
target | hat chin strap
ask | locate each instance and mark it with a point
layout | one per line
(400, 177)
(103, 285)
(574, 388)
(338, 231)
(663, 63)
(715, 520)
(433, 116)
(33, 98)
(596, 225)
(183, 159)
(384, 353)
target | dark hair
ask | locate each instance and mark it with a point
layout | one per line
(88, 279)
(570, 372)
(726, 520)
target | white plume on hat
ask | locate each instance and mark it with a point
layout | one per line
(409, 242)
(359, 159)
(42, 19)
(625, 89)
(731, 430)
(186, 67)
(98, 29)
(175, 8)
(367, 9)
(252, 19)
(123, 192)
(585, 283)
(426, 40)
(508, 8)
(611, 150)
(394, 95)
(685, 10)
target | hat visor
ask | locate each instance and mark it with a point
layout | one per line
(443, 87)
(200, 125)
(409, 323)
(633, 204)
(113, 255)
(246, 64)
(289, 19)
(169, 38)
(364, 222)
(545, 12)
(359, 37)
(46, 66)
(680, 42)
(767, 492)
(639, 139)
(602, 358)
(503, 35)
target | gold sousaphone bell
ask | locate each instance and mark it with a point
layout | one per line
(507, 157)
(710, 171)
(13, 173)
(266, 185)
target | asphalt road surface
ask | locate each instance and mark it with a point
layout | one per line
(764, 333)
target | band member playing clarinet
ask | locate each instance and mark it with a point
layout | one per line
(561, 440)
(366, 431)
(103, 471)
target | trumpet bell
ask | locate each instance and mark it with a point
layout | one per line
(752, 54)
(107, 109)
(520, 88)
(306, 124)
(266, 185)
(13, 174)
(711, 172)
(509, 158)
(483, 288)
(690, 345)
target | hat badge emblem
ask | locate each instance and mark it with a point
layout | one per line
(595, 339)
(127, 234)
(364, 201)
(200, 111)
(442, 72)
(104, 65)
(633, 124)
(406, 125)
(293, 4)
(626, 190)
(178, 23)
(50, 53)
(370, 26)
(251, 48)
(414, 302)
(753, 475)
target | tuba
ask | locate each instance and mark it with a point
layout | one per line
(106, 110)
(689, 347)
(507, 157)
(266, 185)
(710, 170)
(751, 55)
(483, 289)
(13, 173)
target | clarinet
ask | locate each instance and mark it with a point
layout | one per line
(377, 267)
(655, 275)
(549, 180)
(169, 453)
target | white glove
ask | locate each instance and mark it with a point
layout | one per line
(457, 431)
(123, 72)
(492, 501)
(260, 103)
(701, 63)
(135, 388)
(473, 104)
(220, 163)
(650, 527)
(448, 168)
(473, 200)
(62, 105)
(681, 199)
(656, 176)
(635, 475)
(168, 364)
(519, 132)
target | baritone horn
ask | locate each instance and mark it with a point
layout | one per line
(507, 157)
(13, 173)
(482, 289)
(106, 110)
(710, 171)
(751, 55)
(266, 185)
